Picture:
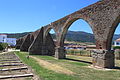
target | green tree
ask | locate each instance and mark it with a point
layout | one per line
(3, 46)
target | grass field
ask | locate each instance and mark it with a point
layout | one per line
(76, 64)
(79, 52)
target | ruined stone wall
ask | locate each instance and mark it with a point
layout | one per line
(36, 45)
(50, 45)
(25, 45)
(19, 42)
(101, 17)
(42, 46)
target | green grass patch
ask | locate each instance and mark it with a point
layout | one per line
(62, 61)
(45, 74)
(80, 68)
(78, 52)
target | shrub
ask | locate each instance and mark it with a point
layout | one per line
(3, 46)
(116, 47)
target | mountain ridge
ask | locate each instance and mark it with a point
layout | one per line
(78, 36)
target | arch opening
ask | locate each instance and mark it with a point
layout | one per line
(53, 34)
(80, 28)
(116, 43)
(116, 36)
(50, 42)
(113, 33)
(78, 38)
(114, 39)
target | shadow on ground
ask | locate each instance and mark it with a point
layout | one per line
(78, 60)
(117, 68)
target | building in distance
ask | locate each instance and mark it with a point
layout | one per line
(117, 42)
(5, 39)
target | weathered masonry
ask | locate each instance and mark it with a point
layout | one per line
(103, 18)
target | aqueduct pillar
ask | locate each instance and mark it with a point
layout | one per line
(102, 16)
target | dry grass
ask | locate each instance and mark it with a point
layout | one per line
(53, 67)
(72, 63)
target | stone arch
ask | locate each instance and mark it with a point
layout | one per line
(66, 27)
(48, 41)
(111, 32)
(32, 38)
(47, 30)
(60, 52)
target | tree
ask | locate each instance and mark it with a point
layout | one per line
(3, 46)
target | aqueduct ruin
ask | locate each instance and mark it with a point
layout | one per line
(103, 18)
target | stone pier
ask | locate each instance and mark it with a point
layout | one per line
(60, 53)
(103, 18)
(103, 58)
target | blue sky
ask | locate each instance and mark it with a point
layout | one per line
(29, 15)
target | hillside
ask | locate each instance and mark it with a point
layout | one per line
(78, 36)
(17, 35)
(81, 36)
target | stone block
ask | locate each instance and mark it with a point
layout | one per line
(60, 53)
(103, 59)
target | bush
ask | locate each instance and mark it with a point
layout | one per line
(3, 46)
(116, 47)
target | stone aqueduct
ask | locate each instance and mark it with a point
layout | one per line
(103, 18)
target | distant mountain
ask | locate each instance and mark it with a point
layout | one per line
(16, 35)
(78, 36)
(81, 36)
(116, 36)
